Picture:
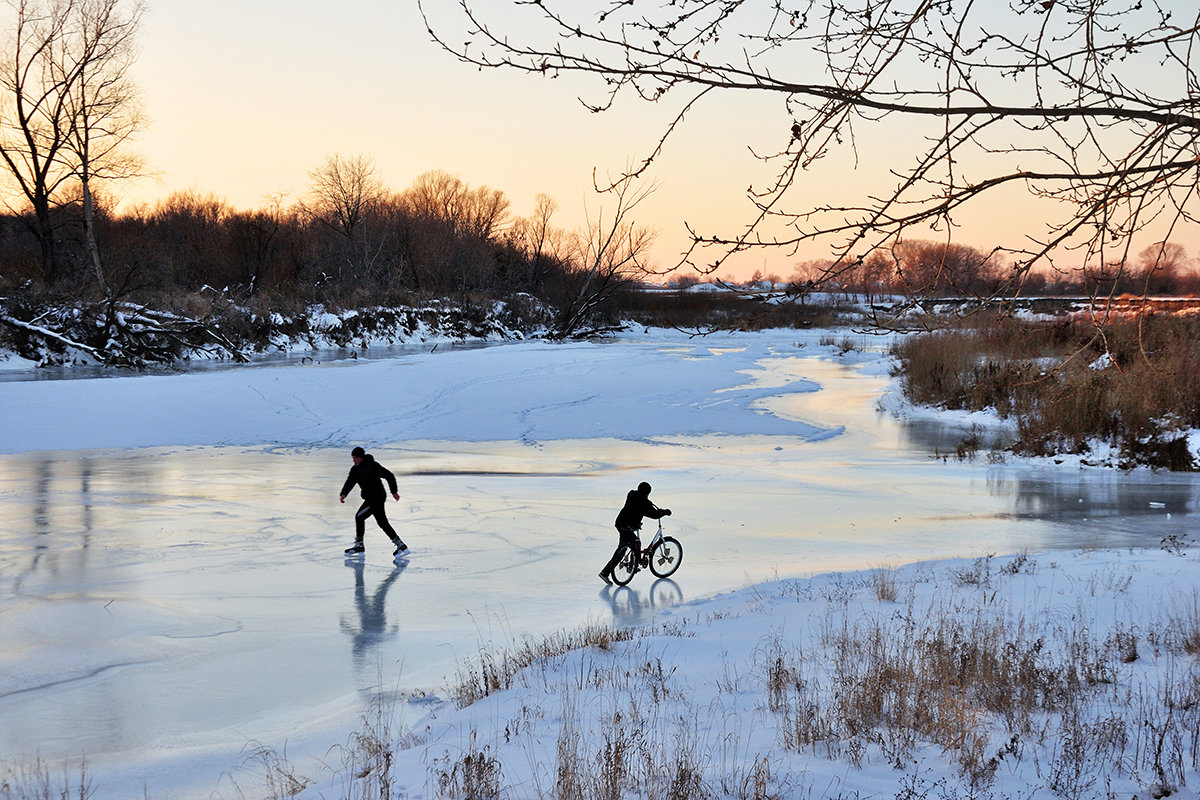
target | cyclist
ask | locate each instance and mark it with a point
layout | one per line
(629, 522)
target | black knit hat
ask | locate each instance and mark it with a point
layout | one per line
(357, 452)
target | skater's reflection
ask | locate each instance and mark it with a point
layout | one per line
(631, 607)
(372, 627)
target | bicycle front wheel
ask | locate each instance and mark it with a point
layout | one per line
(666, 557)
(622, 573)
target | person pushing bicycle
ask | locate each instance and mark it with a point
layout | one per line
(629, 522)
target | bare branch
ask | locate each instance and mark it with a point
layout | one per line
(1091, 105)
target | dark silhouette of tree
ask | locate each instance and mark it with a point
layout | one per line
(1088, 106)
(1160, 268)
(345, 197)
(105, 109)
(938, 268)
(189, 238)
(67, 108)
(456, 230)
(538, 242)
(608, 257)
(342, 193)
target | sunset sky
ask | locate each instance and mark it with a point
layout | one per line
(244, 97)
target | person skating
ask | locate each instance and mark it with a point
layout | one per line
(369, 475)
(629, 522)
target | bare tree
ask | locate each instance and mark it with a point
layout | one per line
(104, 106)
(66, 106)
(1088, 105)
(256, 240)
(460, 226)
(609, 255)
(343, 194)
(537, 240)
(1160, 267)
(925, 267)
(479, 213)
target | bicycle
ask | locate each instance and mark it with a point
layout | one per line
(662, 557)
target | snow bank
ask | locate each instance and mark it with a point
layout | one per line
(10, 362)
(1034, 677)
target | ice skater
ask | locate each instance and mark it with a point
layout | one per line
(369, 475)
(629, 522)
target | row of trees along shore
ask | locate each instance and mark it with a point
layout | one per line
(352, 242)
(923, 268)
(349, 243)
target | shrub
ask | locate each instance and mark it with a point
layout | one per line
(1048, 377)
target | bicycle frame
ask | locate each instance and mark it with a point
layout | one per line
(655, 539)
(635, 560)
(644, 551)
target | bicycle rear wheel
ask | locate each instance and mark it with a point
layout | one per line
(623, 572)
(666, 557)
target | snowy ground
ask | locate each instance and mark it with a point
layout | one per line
(1066, 675)
(174, 594)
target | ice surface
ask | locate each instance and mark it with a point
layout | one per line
(525, 392)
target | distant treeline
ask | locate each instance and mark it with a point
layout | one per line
(192, 276)
(350, 242)
(917, 268)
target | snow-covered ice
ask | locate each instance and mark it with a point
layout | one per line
(174, 593)
(528, 392)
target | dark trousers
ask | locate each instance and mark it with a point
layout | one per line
(629, 538)
(372, 508)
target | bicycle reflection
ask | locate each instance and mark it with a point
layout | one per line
(632, 607)
(372, 627)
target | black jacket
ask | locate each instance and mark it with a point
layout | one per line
(369, 475)
(637, 505)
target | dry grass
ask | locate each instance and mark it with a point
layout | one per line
(883, 582)
(986, 682)
(491, 671)
(629, 751)
(279, 777)
(1047, 377)
(37, 781)
(954, 679)
(473, 775)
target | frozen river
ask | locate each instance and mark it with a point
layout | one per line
(167, 608)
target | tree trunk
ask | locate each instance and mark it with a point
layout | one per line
(43, 229)
(89, 223)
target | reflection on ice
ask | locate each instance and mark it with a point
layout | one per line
(1115, 510)
(638, 605)
(371, 627)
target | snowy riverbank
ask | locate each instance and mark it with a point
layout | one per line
(1055, 675)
